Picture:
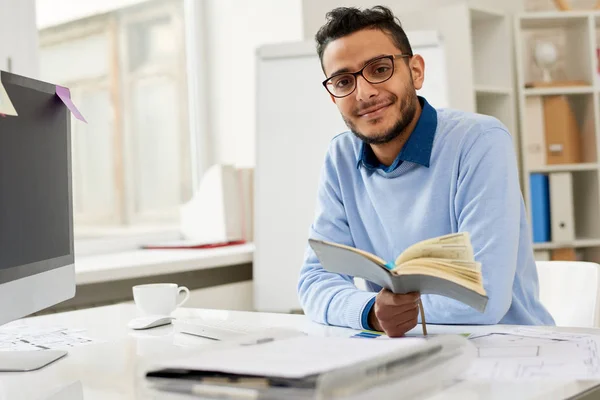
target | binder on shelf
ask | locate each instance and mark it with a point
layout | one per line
(562, 136)
(540, 207)
(564, 254)
(561, 207)
(535, 143)
(541, 255)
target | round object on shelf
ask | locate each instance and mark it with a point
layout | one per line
(545, 54)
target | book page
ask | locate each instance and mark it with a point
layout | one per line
(441, 272)
(460, 238)
(443, 268)
(447, 251)
(458, 265)
(445, 275)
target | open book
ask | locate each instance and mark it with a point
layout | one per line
(444, 265)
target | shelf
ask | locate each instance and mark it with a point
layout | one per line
(566, 168)
(551, 91)
(480, 14)
(493, 90)
(553, 19)
(578, 243)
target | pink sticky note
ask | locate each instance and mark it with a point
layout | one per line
(65, 95)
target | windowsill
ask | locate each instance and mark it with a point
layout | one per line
(104, 240)
(142, 263)
(95, 232)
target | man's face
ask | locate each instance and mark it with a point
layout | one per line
(376, 113)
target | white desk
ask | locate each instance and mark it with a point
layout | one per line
(114, 369)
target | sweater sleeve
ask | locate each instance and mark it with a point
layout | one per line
(326, 297)
(487, 205)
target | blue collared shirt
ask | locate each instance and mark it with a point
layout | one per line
(417, 148)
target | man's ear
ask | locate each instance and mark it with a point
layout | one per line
(417, 70)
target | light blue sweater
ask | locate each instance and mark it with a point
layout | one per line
(457, 172)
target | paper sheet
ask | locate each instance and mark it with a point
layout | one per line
(523, 354)
(21, 338)
(65, 95)
(294, 358)
(6, 106)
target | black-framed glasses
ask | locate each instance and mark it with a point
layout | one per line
(378, 70)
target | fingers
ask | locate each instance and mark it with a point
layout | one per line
(388, 305)
(399, 319)
(396, 314)
(385, 312)
(401, 329)
(398, 299)
(401, 324)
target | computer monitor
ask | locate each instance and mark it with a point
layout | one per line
(36, 210)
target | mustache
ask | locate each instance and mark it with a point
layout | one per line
(374, 104)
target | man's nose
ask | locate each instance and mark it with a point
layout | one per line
(364, 89)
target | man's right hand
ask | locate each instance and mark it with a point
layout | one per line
(394, 314)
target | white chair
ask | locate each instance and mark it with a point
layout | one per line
(569, 291)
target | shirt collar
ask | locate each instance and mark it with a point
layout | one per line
(417, 148)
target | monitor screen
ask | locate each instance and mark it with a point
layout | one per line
(35, 181)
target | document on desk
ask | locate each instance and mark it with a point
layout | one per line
(523, 354)
(293, 358)
(327, 365)
(20, 338)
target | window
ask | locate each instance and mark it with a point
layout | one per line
(127, 73)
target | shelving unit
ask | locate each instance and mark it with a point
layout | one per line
(479, 58)
(559, 90)
(577, 30)
(565, 168)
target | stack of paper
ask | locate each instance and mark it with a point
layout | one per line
(330, 365)
(523, 354)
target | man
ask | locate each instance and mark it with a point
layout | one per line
(408, 172)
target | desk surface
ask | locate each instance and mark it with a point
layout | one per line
(142, 263)
(114, 369)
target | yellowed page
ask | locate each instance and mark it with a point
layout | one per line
(441, 273)
(459, 265)
(418, 249)
(478, 288)
(466, 269)
(447, 251)
(474, 265)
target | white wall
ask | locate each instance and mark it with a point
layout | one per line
(19, 37)
(235, 28)
(54, 12)
(314, 11)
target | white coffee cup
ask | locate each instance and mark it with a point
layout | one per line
(159, 298)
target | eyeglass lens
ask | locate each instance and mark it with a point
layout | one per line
(375, 72)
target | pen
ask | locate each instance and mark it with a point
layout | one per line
(258, 341)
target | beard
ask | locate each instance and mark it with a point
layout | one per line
(407, 108)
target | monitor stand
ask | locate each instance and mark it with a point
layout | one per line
(22, 361)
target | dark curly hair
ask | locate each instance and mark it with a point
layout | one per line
(343, 21)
